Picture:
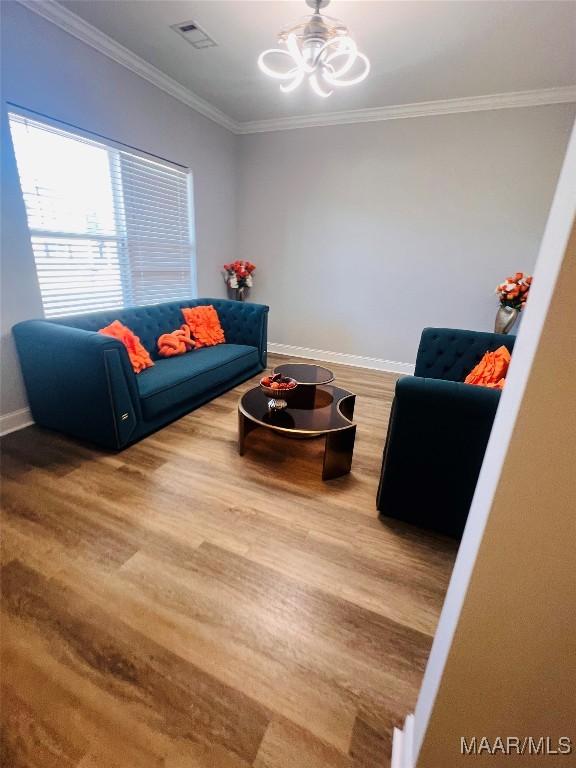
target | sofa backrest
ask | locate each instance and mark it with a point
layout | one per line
(451, 353)
(150, 322)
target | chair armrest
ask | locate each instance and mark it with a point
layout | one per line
(440, 400)
(447, 414)
(244, 323)
(78, 382)
(435, 446)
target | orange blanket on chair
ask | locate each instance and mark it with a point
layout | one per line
(176, 343)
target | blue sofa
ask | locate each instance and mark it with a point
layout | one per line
(81, 382)
(438, 431)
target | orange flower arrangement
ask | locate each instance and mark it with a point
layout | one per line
(238, 274)
(513, 292)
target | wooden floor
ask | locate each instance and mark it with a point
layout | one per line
(178, 605)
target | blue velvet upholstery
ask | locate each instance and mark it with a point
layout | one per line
(450, 353)
(241, 321)
(81, 383)
(438, 432)
(177, 379)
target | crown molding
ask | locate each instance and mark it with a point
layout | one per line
(537, 98)
(87, 33)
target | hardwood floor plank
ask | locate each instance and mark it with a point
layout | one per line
(345, 651)
(315, 614)
(215, 628)
(370, 746)
(330, 570)
(51, 518)
(28, 741)
(176, 605)
(286, 745)
(77, 708)
(202, 756)
(185, 701)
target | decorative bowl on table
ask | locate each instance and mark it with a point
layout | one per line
(279, 389)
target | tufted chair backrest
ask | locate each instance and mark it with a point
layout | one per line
(150, 322)
(450, 353)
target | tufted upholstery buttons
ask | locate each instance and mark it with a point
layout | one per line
(448, 353)
(243, 323)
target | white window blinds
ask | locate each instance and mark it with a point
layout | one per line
(109, 228)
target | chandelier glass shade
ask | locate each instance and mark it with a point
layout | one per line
(318, 49)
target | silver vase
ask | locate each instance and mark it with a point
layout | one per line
(505, 319)
(239, 294)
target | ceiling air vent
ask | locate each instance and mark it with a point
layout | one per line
(194, 34)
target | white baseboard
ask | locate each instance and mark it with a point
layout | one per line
(402, 745)
(15, 420)
(392, 366)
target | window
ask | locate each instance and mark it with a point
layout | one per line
(108, 228)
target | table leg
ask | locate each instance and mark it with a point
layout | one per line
(338, 452)
(304, 396)
(245, 426)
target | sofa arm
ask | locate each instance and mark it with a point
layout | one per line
(244, 323)
(78, 382)
(435, 446)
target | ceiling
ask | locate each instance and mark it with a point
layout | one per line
(420, 51)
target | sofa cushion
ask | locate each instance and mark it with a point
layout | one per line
(491, 370)
(137, 352)
(175, 380)
(204, 325)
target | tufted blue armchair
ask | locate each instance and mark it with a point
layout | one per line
(81, 383)
(438, 432)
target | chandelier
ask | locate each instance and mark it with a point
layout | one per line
(318, 49)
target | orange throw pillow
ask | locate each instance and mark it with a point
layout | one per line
(204, 325)
(176, 343)
(491, 370)
(138, 355)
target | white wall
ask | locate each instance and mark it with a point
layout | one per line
(47, 70)
(364, 234)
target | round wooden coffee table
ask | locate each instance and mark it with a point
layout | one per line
(314, 410)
